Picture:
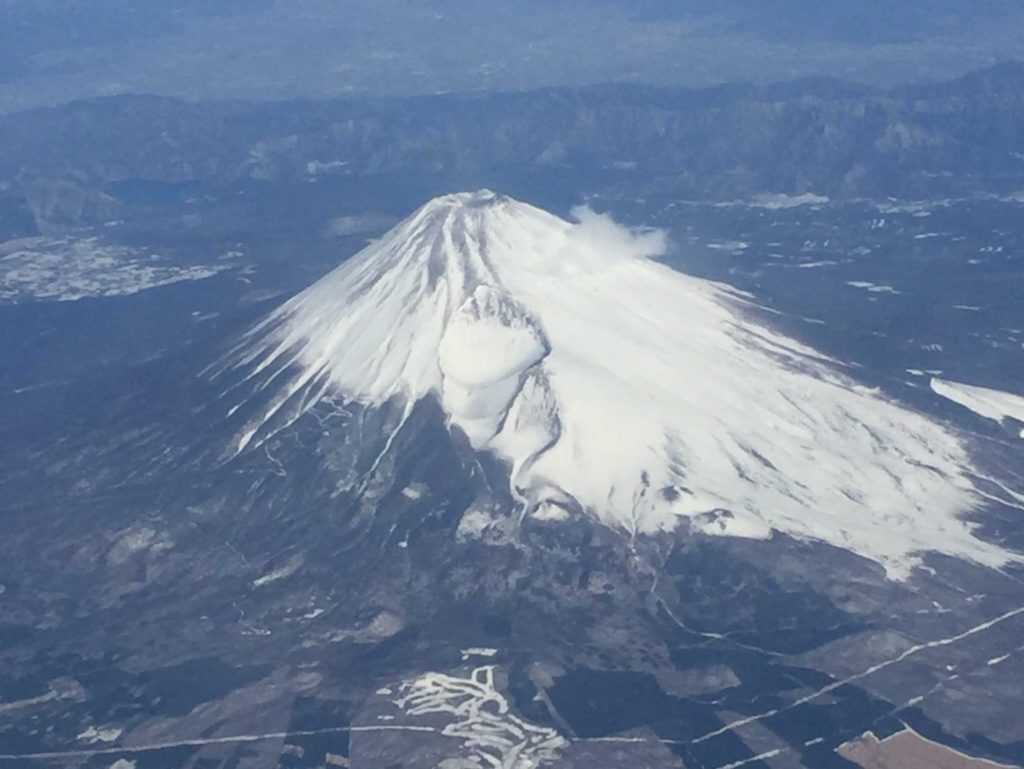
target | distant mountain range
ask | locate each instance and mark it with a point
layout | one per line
(956, 138)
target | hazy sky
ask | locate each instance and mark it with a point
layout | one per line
(58, 50)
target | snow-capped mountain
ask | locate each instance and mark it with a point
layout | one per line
(613, 386)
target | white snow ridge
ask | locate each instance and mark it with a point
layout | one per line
(983, 401)
(616, 386)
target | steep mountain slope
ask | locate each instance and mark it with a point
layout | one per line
(614, 387)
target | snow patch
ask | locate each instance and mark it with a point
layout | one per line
(279, 573)
(413, 492)
(873, 288)
(484, 525)
(781, 201)
(100, 734)
(477, 651)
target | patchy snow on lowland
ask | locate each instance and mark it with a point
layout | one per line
(481, 718)
(100, 734)
(991, 404)
(777, 201)
(616, 387)
(780, 201)
(872, 287)
(477, 651)
(69, 269)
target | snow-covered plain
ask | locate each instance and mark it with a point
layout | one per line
(616, 387)
(983, 401)
(68, 269)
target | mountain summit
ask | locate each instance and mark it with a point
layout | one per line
(615, 387)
